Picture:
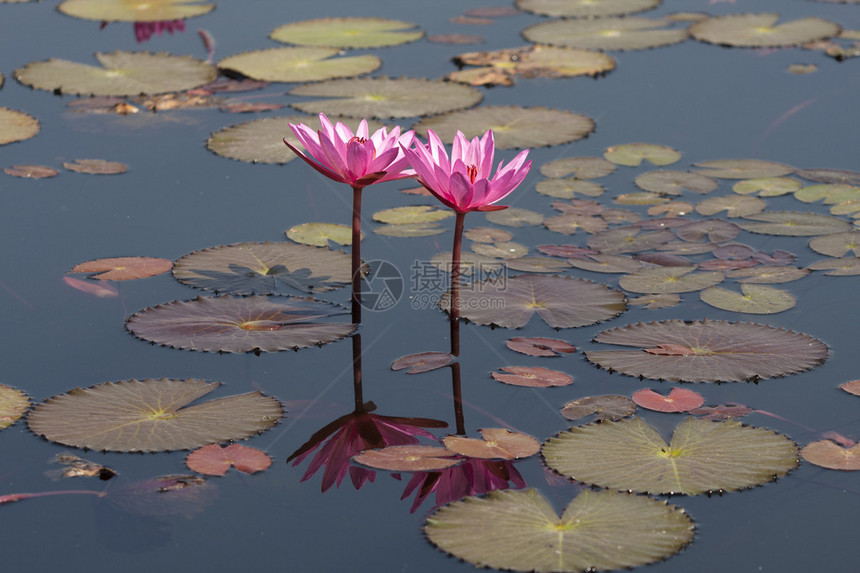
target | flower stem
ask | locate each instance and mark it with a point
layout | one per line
(455, 283)
(356, 254)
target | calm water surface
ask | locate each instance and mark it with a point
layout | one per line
(708, 102)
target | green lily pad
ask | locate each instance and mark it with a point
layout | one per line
(122, 74)
(13, 404)
(264, 268)
(629, 33)
(586, 8)
(298, 64)
(794, 224)
(568, 188)
(761, 30)
(733, 205)
(241, 324)
(756, 299)
(514, 217)
(562, 302)
(513, 127)
(608, 407)
(633, 154)
(831, 193)
(321, 234)
(520, 531)
(767, 186)
(629, 239)
(412, 214)
(151, 416)
(134, 10)
(668, 182)
(409, 230)
(385, 97)
(768, 274)
(742, 168)
(579, 167)
(842, 267)
(347, 33)
(702, 456)
(662, 280)
(570, 223)
(707, 351)
(488, 235)
(262, 140)
(16, 126)
(837, 244)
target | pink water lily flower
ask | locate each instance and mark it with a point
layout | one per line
(357, 159)
(466, 182)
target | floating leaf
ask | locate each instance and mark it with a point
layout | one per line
(830, 176)
(852, 387)
(79, 467)
(488, 235)
(702, 457)
(514, 217)
(408, 458)
(247, 324)
(16, 126)
(842, 267)
(95, 166)
(422, 362)
(562, 302)
(756, 299)
(607, 264)
(385, 97)
(609, 407)
(30, 171)
(122, 74)
(520, 531)
(539, 346)
(831, 193)
(532, 376)
(299, 64)
(767, 186)
(768, 274)
(630, 33)
(633, 154)
(794, 224)
(499, 67)
(629, 239)
(654, 301)
(409, 230)
(674, 182)
(579, 167)
(497, 443)
(570, 223)
(742, 168)
(761, 31)
(678, 400)
(586, 8)
(264, 268)
(13, 404)
(347, 33)
(568, 188)
(262, 140)
(97, 288)
(733, 205)
(508, 250)
(151, 416)
(722, 411)
(827, 454)
(513, 126)
(713, 230)
(719, 351)
(412, 214)
(214, 460)
(661, 280)
(537, 265)
(134, 10)
(319, 234)
(124, 268)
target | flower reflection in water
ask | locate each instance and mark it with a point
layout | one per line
(143, 31)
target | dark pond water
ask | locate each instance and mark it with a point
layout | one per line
(706, 101)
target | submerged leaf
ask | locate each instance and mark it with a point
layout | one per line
(151, 416)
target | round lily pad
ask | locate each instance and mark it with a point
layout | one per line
(831, 193)
(662, 280)
(320, 234)
(761, 30)
(31, 171)
(837, 244)
(609, 407)
(409, 230)
(586, 8)
(497, 443)
(568, 188)
(299, 64)
(264, 268)
(95, 166)
(767, 186)
(347, 33)
(16, 126)
(827, 454)
(563, 302)
(215, 460)
(669, 182)
(151, 416)
(520, 531)
(768, 274)
(733, 205)
(243, 324)
(13, 404)
(408, 458)
(514, 217)
(124, 268)
(702, 456)
(607, 264)
(134, 10)
(754, 299)
(412, 214)
(422, 362)
(122, 74)
(579, 167)
(630, 239)
(707, 351)
(742, 168)
(532, 376)
(629, 33)
(262, 140)
(513, 127)
(794, 224)
(655, 301)
(385, 97)
(841, 267)
(537, 265)
(633, 154)
(570, 223)
(678, 400)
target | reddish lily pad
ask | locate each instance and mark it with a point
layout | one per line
(609, 407)
(95, 166)
(678, 400)
(794, 224)
(422, 362)
(124, 268)
(830, 455)
(408, 458)
(31, 171)
(722, 411)
(707, 351)
(497, 443)
(852, 387)
(214, 460)
(532, 376)
(101, 289)
(245, 324)
(539, 346)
